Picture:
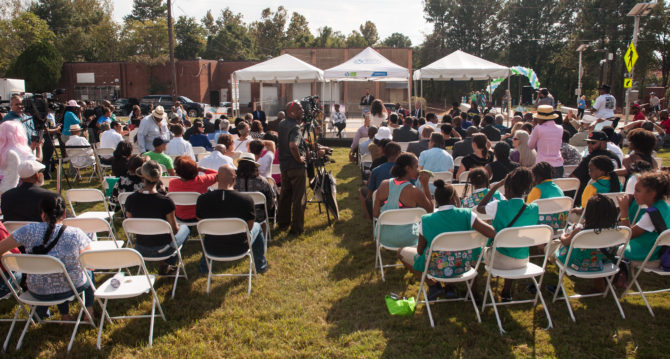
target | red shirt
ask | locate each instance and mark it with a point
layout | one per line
(666, 124)
(199, 184)
(4, 234)
(639, 116)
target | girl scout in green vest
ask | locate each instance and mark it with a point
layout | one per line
(447, 218)
(512, 212)
(478, 178)
(652, 189)
(546, 188)
(603, 179)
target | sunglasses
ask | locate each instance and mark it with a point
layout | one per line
(515, 139)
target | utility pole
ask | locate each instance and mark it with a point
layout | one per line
(173, 72)
(640, 9)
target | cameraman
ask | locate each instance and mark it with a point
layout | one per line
(293, 173)
(16, 113)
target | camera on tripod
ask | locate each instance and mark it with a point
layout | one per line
(311, 106)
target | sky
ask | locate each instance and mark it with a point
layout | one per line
(404, 16)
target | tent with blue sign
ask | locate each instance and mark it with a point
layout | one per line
(368, 65)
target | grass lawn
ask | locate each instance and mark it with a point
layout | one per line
(323, 298)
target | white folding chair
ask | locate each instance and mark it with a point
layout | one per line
(662, 240)
(199, 149)
(200, 156)
(10, 281)
(104, 153)
(42, 265)
(568, 184)
(453, 242)
(184, 199)
(154, 226)
(517, 237)
(659, 161)
(445, 176)
(457, 161)
(166, 180)
(275, 169)
(226, 227)
(260, 200)
(81, 152)
(163, 168)
(403, 146)
(567, 170)
(463, 178)
(548, 207)
(96, 225)
(393, 217)
(590, 239)
(122, 197)
(459, 188)
(129, 286)
(89, 195)
(11, 226)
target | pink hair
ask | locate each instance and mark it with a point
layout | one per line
(13, 137)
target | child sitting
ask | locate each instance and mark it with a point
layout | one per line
(478, 179)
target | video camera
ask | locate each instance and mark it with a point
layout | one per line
(311, 106)
(38, 107)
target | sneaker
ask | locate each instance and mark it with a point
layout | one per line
(505, 297)
(263, 270)
(167, 269)
(450, 292)
(435, 291)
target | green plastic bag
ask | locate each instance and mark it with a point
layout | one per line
(404, 306)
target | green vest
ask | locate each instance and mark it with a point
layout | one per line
(638, 248)
(603, 186)
(505, 213)
(549, 189)
(436, 223)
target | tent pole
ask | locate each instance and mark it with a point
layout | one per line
(509, 99)
(260, 95)
(409, 95)
(421, 100)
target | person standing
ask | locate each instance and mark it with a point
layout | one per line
(292, 165)
(545, 98)
(581, 106)
(152, 126)
(605, 104)
(366, 101)
(16, 113)
(259, 115)
(546, 139)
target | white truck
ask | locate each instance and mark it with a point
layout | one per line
(9, 87)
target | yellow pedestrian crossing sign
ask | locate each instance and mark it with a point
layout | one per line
(631, 57)
(627, 83)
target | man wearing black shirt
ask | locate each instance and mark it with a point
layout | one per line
(23, 202)
(597, 145)
(291, 209)
(226, 202)
(406, 133)
(492, 133)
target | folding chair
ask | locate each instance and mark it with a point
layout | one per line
(393, 217)
(260, 200)
(459, 188)
(122, 197)
(166, 180)
(662, 240)
(275, 169)
(130, 286)
(96, 225)
(551, 207)
(200, 156)
(590, 239)
(43, 264)
(89, 195)
(453, 242)
(457, 161)
(517, 237)
(226, 227)
(21, 308)
(104, 153)
(568, 184)
(445, 176)
(81, 152)
(12, 226)
(154, 226)
(185, 199)
(199, 149)
(463, 178)
(403, 146)
(567, 170)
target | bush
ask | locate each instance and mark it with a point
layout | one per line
(40, 64)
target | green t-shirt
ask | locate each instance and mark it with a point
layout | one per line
(446, 264)
(161, 158)
(507, 210)
(638, 248)
(549, 189)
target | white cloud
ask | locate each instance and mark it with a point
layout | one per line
(389, 16)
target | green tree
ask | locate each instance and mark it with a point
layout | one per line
(297, 32)
(146, 42)
(329, 38)
(146, 10)
(397, 40)
(355, 39)
(18, 33)
(269, 32)
(232, 41)
(190, 37)
(209, 23)
(369, 33)
(40, 65)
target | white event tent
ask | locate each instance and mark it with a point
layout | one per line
(461, 66)
(369, 65)
(281, 69)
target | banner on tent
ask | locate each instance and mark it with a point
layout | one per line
(518, 70)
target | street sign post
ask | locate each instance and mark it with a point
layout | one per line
(627, 83)
(631, 57)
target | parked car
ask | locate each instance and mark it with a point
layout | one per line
(124, 106)
(192, 108)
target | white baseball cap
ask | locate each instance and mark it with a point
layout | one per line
(383, 133)
(29, 168)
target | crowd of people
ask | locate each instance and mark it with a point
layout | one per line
(506, 168)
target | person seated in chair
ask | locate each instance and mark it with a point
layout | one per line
(79, 157)
(22, 203)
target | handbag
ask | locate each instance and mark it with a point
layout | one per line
(402, 307)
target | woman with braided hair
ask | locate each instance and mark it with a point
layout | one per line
(52, 238)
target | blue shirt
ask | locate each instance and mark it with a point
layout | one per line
(68, 120)
(379, 174)
(23, 118)
(103, 119)
(215, 135)
(200, 140)
(436, 160)
(581, 104)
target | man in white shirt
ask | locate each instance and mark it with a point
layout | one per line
(79, 157)
(152, 126)
(431, 120)
(216, 159)
(339, 120)
(111, 136)
(654, 102)
(178, 146)
(605, 104)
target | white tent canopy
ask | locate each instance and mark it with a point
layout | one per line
(368, 65)
(282, 69)
(461, 66)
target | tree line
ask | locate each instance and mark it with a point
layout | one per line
(36, 39)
